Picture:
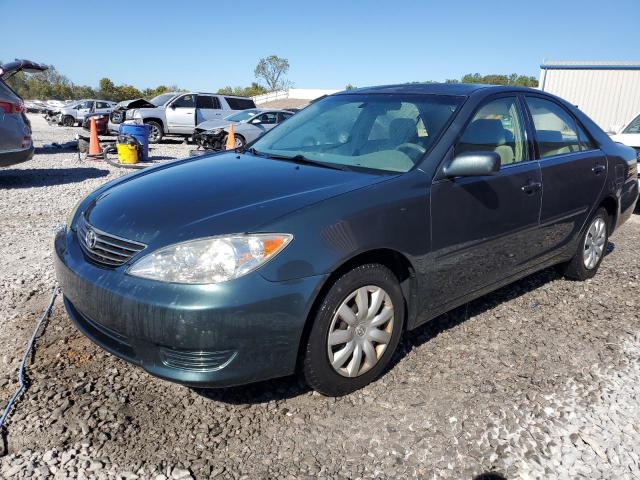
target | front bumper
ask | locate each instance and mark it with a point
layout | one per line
(232, 333)
(16, 156)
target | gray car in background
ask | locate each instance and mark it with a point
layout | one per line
(75, 113)
(178, 113)
(248, 125)
(16, 144)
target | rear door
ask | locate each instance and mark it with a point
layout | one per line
(574, 171)
(181, 114)
(208, 108)
(485, 229)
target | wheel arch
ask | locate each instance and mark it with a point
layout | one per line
(394, 260)
(610, 204)
(155, 119)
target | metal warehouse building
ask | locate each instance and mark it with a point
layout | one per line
(609, 92)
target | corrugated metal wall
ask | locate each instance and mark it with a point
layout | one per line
(610, 97)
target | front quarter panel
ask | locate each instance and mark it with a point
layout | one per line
(392, 214)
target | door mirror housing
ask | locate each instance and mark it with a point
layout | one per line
(172, 106)
(473, 164)
(255, 121)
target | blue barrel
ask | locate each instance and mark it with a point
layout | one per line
(140, 133)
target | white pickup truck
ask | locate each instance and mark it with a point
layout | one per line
(177, 113)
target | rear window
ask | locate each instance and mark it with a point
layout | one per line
(240, 103)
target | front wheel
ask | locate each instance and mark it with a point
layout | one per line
(68, 121)
(155, 131)
(238, 141)
(355, 331)
(591, 249)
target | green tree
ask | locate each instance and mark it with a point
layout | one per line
(272, 70)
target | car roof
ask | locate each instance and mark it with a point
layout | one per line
(463, 89)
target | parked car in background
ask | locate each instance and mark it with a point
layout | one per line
(178, 113)
(102, 119)
(16, 144)
(75, 113)
(248, 125)
(364, 215)
(629, 134)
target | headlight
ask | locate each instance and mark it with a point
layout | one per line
(210, 260)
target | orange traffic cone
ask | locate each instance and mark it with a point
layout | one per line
(231, 139)
(94, 145)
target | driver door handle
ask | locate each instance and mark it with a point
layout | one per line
(531, 187)
(598, 169)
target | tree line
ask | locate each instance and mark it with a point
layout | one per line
(52, 85)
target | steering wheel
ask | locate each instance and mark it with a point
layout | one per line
(411, 148)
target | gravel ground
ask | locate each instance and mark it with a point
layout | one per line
(540, 379)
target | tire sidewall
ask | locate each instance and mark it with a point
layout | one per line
(581, 271)
(157, 126)
(318, 371)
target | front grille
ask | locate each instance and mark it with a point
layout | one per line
(103, 248)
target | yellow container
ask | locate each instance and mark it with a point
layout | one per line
(127, 153)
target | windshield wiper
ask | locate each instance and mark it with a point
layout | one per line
(307, 161)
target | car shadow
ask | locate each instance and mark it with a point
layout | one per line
(490, 476)
(46, 177)
(293, 386)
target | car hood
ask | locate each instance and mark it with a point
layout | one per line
(214, 195)
(216, 123)
(135, 103)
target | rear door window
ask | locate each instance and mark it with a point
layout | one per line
(204, 101)
(240, 103)
(556, 130)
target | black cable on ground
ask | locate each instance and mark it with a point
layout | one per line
(21, 370)
(133, 166)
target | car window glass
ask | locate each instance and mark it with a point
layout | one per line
(185, 101)
(584, 139)
(268, 118)
(555, 128)
(240, 103)
(204, 101)
(405, 117)
(385, 132)
(634, 126)
(496, 127)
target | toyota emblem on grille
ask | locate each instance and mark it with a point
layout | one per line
(90, 239)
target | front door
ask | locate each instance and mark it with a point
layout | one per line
(574, 171)
(181, 114)
(485, 229)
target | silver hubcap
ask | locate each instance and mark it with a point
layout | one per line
(360, 331)
(594, 243)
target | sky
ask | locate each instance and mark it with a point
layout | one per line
(205, 45)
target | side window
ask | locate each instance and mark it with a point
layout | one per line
(556, 130)
(102, 105)
(268, 118)
(239, 103)
(496, 127)
(282, 116)
(216, 103)
(634, 126)
(204, 101)
(585, 140)
(185, 101)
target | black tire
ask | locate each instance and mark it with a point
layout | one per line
(156, 132)
(317, 369)
(68, 121)
(576, 269)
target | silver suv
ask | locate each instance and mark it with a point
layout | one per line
(16, 144)
(75, 113)
(177, 113)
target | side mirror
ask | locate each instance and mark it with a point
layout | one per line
(473, 164)
(255, 121)
(173, 106)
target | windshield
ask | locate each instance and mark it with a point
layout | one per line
(379, 131)
(162, 99)
(243, 115)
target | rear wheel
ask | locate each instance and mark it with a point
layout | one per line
(156, 131)
(355, 331)
(591, 249)
(68, 121)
